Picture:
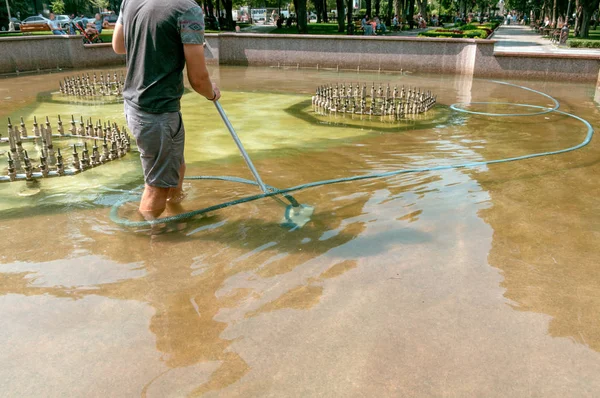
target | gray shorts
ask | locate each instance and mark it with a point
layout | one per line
(160, 137)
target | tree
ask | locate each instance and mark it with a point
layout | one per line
(422, 8)
(410, 12)
(350, 28)
(339, 5)
(587, 8)
(319, 9)
(58, 6)
(368, 7)
(300, 7)
(99, 4)
(228, 6)
(325, 8)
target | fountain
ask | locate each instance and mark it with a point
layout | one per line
(115, 144)
(85, 86)
(385, 102)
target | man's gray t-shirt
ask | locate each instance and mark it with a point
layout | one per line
(155, 32)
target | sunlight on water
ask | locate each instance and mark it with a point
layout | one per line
(471, 281)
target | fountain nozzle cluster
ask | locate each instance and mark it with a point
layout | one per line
(115, 143)
(381, 101)
(95, 86)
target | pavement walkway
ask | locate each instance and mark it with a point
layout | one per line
(521, 39)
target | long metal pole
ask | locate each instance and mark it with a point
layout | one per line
(8, 9)
(235, 137)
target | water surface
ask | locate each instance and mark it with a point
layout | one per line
(465, 282)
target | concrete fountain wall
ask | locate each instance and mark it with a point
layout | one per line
(31, 53)
(429, 55)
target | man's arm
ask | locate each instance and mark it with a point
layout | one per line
(118, 39)
(197, 73)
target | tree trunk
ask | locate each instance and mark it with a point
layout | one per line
(319, 9)
(325, 17)
(210, 7)
(396, 4)
(410, 14)
(368, 8)
(422, 8)
(586, 13)
(462, 8)
(340, 14)
(301, 14)
(349, 4)
(578, 15)
(553, 22)
(228, 6)
(584, 31)
(389, 12)
(377, 7)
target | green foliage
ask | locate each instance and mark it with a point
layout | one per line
(578, 43)
(58, 6)
(442, 34)
(476, 34)
(100, 4)
(16, 6)
(490, 25)
(468, 27)
(313, 29)
(456, 34)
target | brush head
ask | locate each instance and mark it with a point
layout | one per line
(298, 216)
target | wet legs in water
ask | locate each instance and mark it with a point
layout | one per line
(155, 199)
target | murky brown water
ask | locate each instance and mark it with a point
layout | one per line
(476, 282)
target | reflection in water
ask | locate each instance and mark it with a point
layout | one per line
(386, 292)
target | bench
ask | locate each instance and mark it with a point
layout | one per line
(358, 28)
(35, 28)
(555, 36)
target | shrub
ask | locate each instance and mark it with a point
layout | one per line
(455, 33)
(476, 34)
(581, 43)
(468, 27)
(487, 31)
(445, 35)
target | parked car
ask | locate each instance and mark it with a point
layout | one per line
(63, 20)
(35, 23)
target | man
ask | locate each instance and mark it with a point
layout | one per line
(72, 24)
(55, 26)
(159, 38)
(98, 23)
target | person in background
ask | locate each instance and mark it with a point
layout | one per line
(98, 23)
(55, 26)
(366, 25)
(72, 29)
(395, 22)
(379, 25)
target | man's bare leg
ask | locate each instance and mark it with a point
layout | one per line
(154, 201)
(176, 195)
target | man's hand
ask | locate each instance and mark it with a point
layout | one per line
(217, 93)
